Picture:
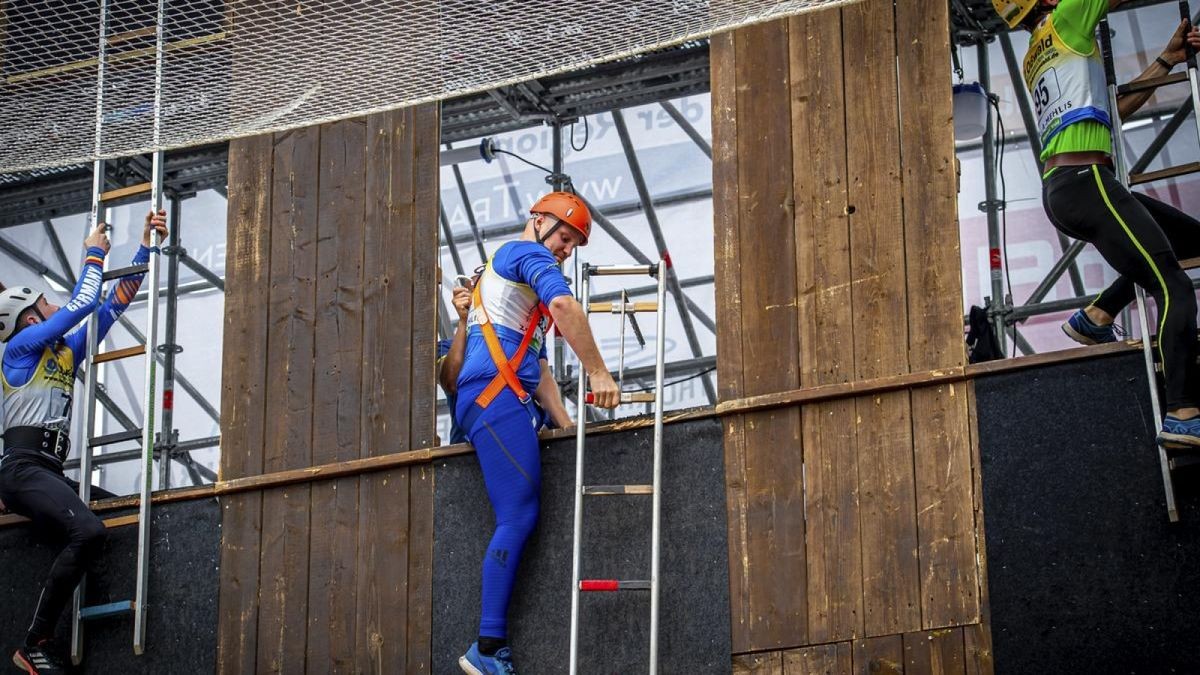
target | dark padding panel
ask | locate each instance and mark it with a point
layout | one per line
(182, 621)
(694, 620)
(1086, 573)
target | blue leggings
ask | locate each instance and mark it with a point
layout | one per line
(506, 443)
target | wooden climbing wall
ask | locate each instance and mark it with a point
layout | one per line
(329, 356)
(853, 526)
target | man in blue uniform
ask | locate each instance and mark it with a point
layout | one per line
(450, 354)
(44, 345)
(519, 294)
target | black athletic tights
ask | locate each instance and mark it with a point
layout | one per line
(35, 488)
(1140, 238)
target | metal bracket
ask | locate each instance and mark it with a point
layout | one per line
(995, 205)
(170, 349)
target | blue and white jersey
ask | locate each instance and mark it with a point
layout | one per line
(521, 276)
(38, 367)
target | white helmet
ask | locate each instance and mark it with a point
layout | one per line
(12, 302)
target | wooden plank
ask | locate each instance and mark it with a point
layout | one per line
(841, 390)
(828, 659)
(424, 163)
(117, 354)
(722, 59)
(945, 513)
(336, 418)
(891, 590)
(875, 192)
(880, 656)
(243, 383)
(381, 616)
(774, 459)
(937, 652)
(931, 240)
(282, 622)
(420, 569)
(766, 663)
(825, 327)
(978, 638)
(891, 579)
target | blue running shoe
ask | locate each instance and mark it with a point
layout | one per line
(1082, 330)
(1176, 433)
(474, 663)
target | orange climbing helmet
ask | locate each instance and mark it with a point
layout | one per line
(567, 208)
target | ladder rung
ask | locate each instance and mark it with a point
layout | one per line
(119, 437)
(1151, 83)
(117, 354)
(595, 585)
(1163, 174)
(1183, 460)
(105, 611)
(121, 521)
(1189, 263)
(631, 397)
(128, 35)
(122, 272)
(617, 308)
(618, 489)
(120, 193)
(622, 270)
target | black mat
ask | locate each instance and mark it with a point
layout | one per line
(694, 629)
(1086, 574)
(181, 625)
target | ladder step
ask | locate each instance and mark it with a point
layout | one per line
(600, 585)
(117, 354)
(121, 521)
(1189, 263)
(119, 437)
(1151, 83)
(105, 611)
(122, 272)
(119, 193)
(1163, 174)
(630, 397)
(622, 270)
(616, 307)
(618, 489)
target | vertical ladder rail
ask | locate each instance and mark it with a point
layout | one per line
(659, 375)
(93, 328)
(148, 398)
(1121, 169)
(577, 544)
(1185, 13)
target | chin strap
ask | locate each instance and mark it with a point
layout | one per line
(541, 239)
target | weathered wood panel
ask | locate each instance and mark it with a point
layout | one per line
(337, 235)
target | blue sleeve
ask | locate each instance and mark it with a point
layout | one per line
(534, 265)
(30, 341)
(118, 300)
(443, 348)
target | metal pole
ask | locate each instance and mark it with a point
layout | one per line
(168, 348)
(59, 253)
(182, 381)
(202, 271)
(1163, 137)
(992, 205)
(449, 239)
(558, 182)
(580, 424)
(656, 532)
(687, 128)
(639, 182)
(1193, 79)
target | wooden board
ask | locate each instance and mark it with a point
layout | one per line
(242, 397)
(770, 663)
(825, 326)
(828, 659)
(282, 625)
(937, 652)
(931, 239)
(880, 656)
(945, 513)
(338, 373)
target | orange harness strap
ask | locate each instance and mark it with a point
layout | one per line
(506, 369)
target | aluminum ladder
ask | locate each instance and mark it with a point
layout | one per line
(101, 199)
(1168, 460)
(624, 308)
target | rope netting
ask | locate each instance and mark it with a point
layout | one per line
(241, 67)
